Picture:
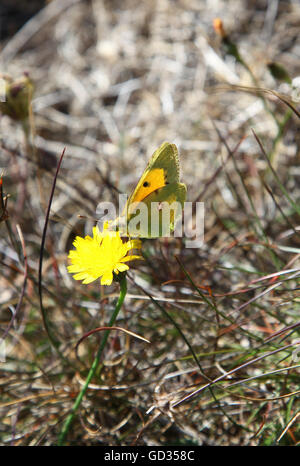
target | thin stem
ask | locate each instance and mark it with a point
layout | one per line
(46, 322)
(288, 114)
(68, 422)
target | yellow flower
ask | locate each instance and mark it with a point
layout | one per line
(101, 256)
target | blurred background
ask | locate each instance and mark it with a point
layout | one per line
(112, 80)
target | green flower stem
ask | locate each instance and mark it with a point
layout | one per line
(68, 422)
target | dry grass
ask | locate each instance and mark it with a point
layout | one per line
(113, 80)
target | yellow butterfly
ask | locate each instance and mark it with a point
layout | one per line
(158, 187)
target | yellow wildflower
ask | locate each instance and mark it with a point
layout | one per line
(101, 256)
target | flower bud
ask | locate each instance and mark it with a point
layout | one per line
(16, 98)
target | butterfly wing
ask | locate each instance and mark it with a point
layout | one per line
(158, 184)
(163, 208)
(162, 169)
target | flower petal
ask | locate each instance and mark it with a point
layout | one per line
(121, 267)
(107, 278)
(131, 258)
